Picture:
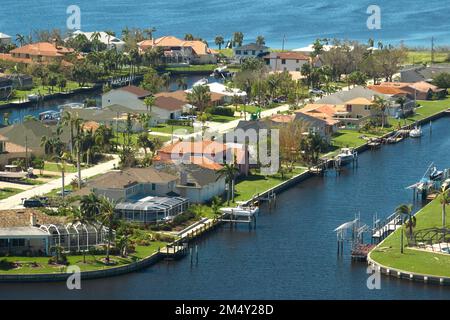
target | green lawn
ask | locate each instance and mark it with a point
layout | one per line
(388, 252)
(349, 138)
(165, 128)
(420, 57)
(257, 183)
(54, 167)
(221, 119)
(192, 68)
(427, 108)
(8, 192)
(92, 262)
(38, 88)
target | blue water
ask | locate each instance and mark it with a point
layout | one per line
(301, 21)
(292, 252)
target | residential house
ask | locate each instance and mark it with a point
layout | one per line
(286, 61)
(165, 107)
(6, 87)
(181, 51)
(395, 93)
(40, 52)
(422, 73)
(5, 39)
(197, 183)
(29, 232)
(204, 153)
(421, 90)
(10, 151)
(218, 89)
(143, 195)
(251, 50)
(281, 119)
(319, 118)
(355, 105)
(28, 135)
(111, 42)
(131, 183)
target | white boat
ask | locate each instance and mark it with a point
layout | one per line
(445, 184)
(33, 97)
(201, 82)
(241, 211)
(346, 156)
(416, 132)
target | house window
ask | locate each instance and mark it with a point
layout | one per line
(366, 107)
(283, 61)
(153, 187)
(297, 61)
(238, 51)
(245, 53)
(18, 242)
(3, 243)
(349, 108)
(253, 52)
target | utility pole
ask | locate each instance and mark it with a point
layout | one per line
(432, 50)
(26, 152)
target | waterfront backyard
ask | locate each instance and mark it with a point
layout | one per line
(388, 253)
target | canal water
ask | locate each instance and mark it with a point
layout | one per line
(293, 253)
(16, 114)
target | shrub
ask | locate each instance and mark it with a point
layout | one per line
(173, 122)
(221, 111)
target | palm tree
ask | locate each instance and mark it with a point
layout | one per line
(215, 206)
(149, 102)
(404, 212)
(219, 41)
(110, 34)
(108, 219)
(89, 205)
(182, 83)
(401, 101)
(70, 119)
(165, 78)
(200, 96)
(95, 39)
(381, 104)
(238, 38)
(260, 41)
(149, 32)
(229, 171)
(445, 200)
(79, 216)
(20, 38)
(62, 160)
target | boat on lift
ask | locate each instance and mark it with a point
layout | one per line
(346, 155)
(416, 132)
(436, 174)
(201, 82)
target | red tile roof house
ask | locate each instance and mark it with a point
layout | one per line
(40, 52)
(319, 118)
(286, 61)
(207, 154)
(420, 90)
(181, 51)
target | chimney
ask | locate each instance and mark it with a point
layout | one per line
(183, 178)
(32, 219)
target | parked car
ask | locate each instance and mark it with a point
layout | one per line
(33, 203)
(316, 91)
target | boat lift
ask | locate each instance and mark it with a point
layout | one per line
(356, 237)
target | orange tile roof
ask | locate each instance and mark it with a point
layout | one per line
(199, 47)
(139, 92)
(324, 112)
(203, 147)
(205, 163)
(91, 126)
(360, 101)
(282, 118)
(46, 49)
(390, 90)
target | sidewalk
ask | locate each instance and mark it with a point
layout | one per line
(16, 200)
